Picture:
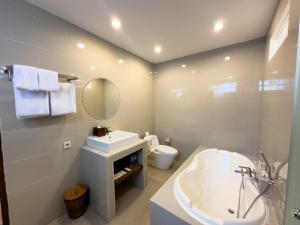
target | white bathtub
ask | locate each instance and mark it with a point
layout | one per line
(209, 188)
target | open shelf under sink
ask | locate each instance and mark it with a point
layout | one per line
(135, 169)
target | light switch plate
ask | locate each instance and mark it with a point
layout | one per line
(67, 144)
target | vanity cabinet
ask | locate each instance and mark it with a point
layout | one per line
(98, 169)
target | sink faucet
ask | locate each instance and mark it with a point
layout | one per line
(107, 130)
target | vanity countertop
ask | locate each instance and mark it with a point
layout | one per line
(139, 142)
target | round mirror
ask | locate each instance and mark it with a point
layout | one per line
(101, 99)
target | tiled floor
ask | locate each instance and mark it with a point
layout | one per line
(132, 203)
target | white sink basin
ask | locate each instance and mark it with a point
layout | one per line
(113, 141)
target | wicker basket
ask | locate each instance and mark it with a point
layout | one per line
(77, 200)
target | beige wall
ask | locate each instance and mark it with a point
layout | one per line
(277, 98)
(217, 106)
(220, 105)
(37, 169)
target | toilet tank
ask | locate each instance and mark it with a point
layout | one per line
(153, 141)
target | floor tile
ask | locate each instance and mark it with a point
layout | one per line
(132, 204)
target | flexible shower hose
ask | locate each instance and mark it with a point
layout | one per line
(266, 189)
(240, 193)
(253, 202)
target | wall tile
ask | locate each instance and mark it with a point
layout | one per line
(217, 105)
(41, 202)
(37, 169)
(277, 102)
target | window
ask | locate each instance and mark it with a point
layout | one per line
(280, 33)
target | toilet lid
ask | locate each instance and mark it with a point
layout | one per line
(166, 149)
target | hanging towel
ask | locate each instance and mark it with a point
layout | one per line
(63, 101)
(29, 104)
(48, 80)
(25, 78)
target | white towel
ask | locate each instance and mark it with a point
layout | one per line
(48, 80)
(30, 104)
(25, 78)
(63, 101)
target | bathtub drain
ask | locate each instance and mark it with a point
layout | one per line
(231, 211)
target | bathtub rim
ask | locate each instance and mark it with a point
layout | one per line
(206, 220)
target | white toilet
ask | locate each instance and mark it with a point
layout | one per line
(160, 156)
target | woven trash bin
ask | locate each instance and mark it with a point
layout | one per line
(77, 200)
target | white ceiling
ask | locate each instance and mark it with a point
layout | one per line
(181, 27)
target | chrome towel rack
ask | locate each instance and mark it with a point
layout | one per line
(9, 71)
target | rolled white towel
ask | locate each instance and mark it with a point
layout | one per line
(25, 78)
(48, 80)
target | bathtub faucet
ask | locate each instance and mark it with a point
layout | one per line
(246, 170)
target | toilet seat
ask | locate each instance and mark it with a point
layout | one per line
(166, 149)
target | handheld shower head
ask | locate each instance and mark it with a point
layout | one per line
(268, 166)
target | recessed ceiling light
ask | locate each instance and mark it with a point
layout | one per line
(93, 68)
(275, 72)
(150, 72)
(183, 65)
(193, 71)
(121, 61)
(116, 24)
(229, 77)
(157, 49)
(81, 45)
(218, 26)
(227, 58)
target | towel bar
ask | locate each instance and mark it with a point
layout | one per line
(8, 70)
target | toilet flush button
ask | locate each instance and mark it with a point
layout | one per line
(67, 144)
